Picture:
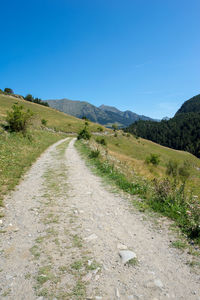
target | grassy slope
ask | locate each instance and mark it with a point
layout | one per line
(130, 154)
(18, 153)
(56, 120)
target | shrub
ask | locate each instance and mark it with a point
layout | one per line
(44, 122)
(94, 153)
(18, 119)
(172, 168)
(85, 118)
(178, 172)
(29, 98)
(100, 129)
(193, 215)
(84, 134)
(114, 127)
(8, 91)
(153, 159)
(101, 141)
(115, 135)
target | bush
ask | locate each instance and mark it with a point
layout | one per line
(114, 127)
(101, 141)
(94, 154)
(18, 119)
(100, 129)
(153, 159)
(178, 172)
(172, 168)
(29, 98)
(8, 91)
(44, 122)
(84, 134)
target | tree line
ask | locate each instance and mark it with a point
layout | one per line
(181, 132)
(29, 97)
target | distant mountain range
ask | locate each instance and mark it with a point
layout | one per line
(105, 115)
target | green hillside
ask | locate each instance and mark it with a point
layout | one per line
(182, 132)
(56, 120)
(191, 105)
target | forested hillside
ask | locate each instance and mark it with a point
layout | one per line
(181, 132)
(191, 105)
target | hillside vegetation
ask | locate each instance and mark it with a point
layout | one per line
(167, 180)
(181, 132)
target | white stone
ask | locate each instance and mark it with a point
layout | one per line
(117, 293)
(126, 255)
(91, 237)
(158, 283)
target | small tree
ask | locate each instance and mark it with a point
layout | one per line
(84, 134)
(18, 119)
(44, 122)
(153, 159)
(29, 97)
(8, 91)
(114, 127)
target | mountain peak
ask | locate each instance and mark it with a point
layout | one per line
(104, 114)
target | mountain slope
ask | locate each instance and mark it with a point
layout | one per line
(104, 115)
(191, 105)
(182, 132)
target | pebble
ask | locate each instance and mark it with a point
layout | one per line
(158, 283)
(117, 293)
(91, 237)
(97, 277)
(126, 255)
(1, 221)
(98, 297)
(121, 246)
(89, 262)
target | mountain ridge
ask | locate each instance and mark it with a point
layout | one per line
(104, 115)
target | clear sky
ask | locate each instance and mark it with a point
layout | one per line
(141, 55)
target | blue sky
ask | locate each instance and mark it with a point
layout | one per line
(141, 55)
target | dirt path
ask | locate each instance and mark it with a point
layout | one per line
(63, 233)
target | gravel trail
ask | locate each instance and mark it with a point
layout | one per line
(63, 231)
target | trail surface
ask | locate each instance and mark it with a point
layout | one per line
(63, 232)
